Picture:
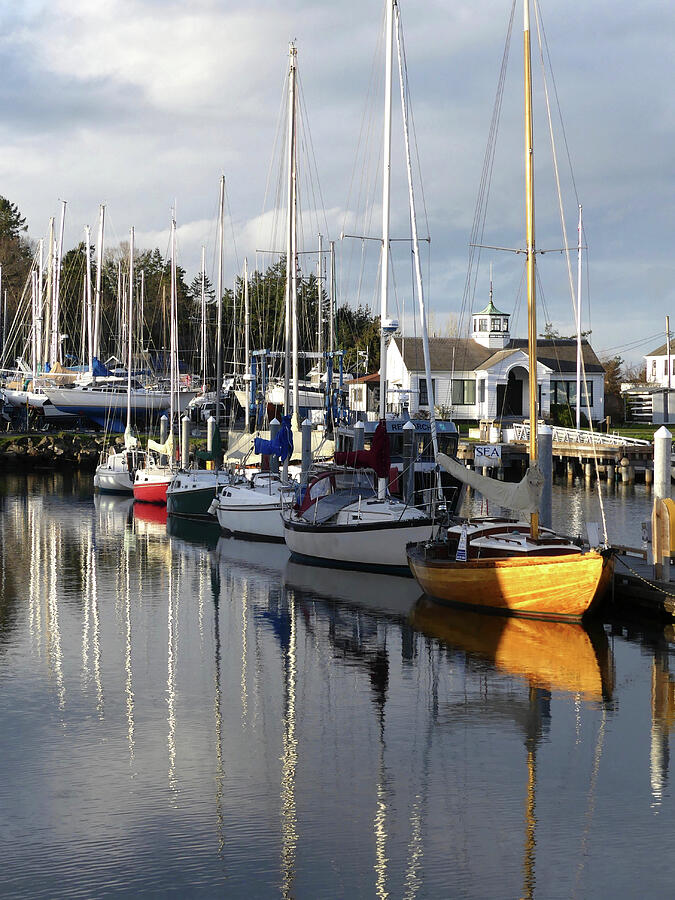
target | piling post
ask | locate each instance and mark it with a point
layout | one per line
(163, 435)
(663, 440)
(546, 467)
(210, 432)
(409, 462)
(273, 464)
(185, 442)
(660, 514)
(359, 436)
(306, 459)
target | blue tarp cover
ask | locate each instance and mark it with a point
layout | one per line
(281, 445)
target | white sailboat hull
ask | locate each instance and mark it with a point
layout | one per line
(379, 545)
(253, 512)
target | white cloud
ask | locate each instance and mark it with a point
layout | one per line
(138, 103)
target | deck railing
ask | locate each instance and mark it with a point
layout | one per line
(521, 432)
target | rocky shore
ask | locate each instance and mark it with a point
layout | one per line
(54, 451)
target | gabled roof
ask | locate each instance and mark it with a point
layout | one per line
(561, 355)
(464, 354)
(447, 354)
(663, 350)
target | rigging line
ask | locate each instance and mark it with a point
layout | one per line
(557, 101)
(411, 120)
(310, 145)
(575, 299)
(480, 213)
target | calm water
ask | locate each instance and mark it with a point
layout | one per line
(202, 717)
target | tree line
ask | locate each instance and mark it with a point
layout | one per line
(356, 331)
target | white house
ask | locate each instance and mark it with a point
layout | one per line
(487, 375)
(657, 367)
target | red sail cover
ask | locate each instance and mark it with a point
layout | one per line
(377, 458)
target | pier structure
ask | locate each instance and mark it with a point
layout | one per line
(627, 463)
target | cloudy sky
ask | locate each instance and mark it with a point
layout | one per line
(140, 104)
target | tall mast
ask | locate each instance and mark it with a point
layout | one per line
(290, 304)
(319, 305)
(49, 295)
(172, 327)
(90, 323)
(579, 324)
(127, 431)
(34, 336)
(386, 192)
(56, 337)
(331, 300)
(416, 245)
(219, 301)
(99, 275)
(247, 348)
(38, 323)
(668, 349)
(203, 305)
(529, 215)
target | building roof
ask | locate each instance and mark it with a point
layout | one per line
(464, 354)
(561, 355)
(663, 350)
(447, 354)
(375, 376)
(491, 310)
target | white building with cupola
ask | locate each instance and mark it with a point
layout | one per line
(486, 376)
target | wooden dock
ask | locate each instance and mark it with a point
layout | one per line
(614, 462)
(636, 593)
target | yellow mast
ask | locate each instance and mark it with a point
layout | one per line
(529, 214)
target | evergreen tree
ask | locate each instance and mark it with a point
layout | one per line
(15, 253)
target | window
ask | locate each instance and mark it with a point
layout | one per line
(505, 324)
(463, 392)
(424, 396)
(496, 324)
(654, 368)
(481, 391)
(565, 393)
(482, 324)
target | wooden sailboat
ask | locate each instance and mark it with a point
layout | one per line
(506, 565)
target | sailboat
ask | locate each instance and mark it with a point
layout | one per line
(346, 518)
(151, 481)
(506, 565)
(191, 491)
(115, 473)
(252, 507)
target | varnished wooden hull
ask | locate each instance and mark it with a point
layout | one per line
(545, 587)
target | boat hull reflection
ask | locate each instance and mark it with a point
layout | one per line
(560, 656)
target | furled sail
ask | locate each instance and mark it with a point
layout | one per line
(129, 440)
(523, 496)
(165, 449)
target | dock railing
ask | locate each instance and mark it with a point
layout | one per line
(521, 432)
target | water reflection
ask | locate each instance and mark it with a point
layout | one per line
(316, 736)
